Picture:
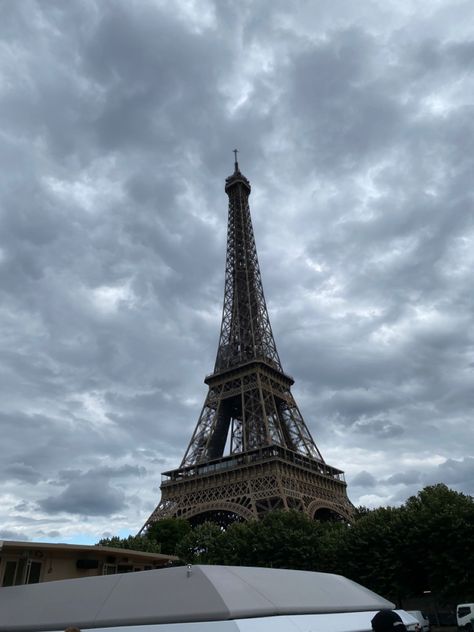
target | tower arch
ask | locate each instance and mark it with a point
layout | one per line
(222, 513)
(328, 512)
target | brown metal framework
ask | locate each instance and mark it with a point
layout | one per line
(272, 461)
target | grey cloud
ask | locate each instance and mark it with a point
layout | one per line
(361, 402)
(53, 534)
(22, 472)
(357, 119)
(455, 472)
(33, 523)
(85, 500)
(404, 478)
(120, 471)
(8, 534)
(363, 479)
(91, 492)
(381, 428)
(87, 497)
(146, 109)
(66, 476)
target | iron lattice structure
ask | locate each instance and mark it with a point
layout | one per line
(251, 450)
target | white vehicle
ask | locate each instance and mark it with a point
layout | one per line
(422, 619)
(195, 599)
(465, 616)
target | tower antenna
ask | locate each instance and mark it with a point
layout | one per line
(236, 164)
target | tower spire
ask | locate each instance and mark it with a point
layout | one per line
(236, 164)
(246, 333)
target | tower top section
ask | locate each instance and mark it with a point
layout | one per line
(237, 177)
(246, 334)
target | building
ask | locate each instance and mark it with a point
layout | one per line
(251, 451)
(35, 562)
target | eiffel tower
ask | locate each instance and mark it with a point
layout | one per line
(251, 451)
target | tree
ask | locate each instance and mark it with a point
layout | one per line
(169, 532)
(423, 545)
(333, 543)
(135, 543)
(280, 540)
(441, 533)
(201, 545)
(396, 551)
(373, 551)
(361, 511)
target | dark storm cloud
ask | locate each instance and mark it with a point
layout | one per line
(118, 119)
(83, 497)
(363, 479)
(22, 472)
(379, 428)
(52, 534)
(91, 493)
(456, 473)
(140, 106)
(8, 534)
(404, 478)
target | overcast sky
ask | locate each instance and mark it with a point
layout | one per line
(355, 125)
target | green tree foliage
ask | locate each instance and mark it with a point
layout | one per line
(201, 545)
(169, 532)
(334, 537)
(442, 533)
(135, 543)
(361, 511)
(399, 552)
(280, 540)
(372, 551)
(422, 545)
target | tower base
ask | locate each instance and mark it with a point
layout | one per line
(246, 486)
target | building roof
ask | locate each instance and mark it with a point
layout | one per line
(177, 595)
(48, 547)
